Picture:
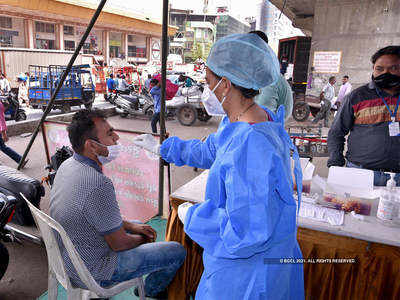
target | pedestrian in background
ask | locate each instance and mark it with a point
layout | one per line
(147, 82)
(155, 92)
(326, 98)
(5, 86)
(345, 89)
(22, 90)
(4, 139)
(111, 83)
(284, 64)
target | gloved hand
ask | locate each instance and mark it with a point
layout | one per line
(147, 142)
(182, 211)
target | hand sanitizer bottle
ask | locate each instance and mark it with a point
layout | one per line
(387, 204)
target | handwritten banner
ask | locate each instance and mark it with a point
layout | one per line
(134, 173)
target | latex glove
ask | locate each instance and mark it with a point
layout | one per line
(182, 211)
(147, 142)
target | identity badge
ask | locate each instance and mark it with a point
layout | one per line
(394, 129)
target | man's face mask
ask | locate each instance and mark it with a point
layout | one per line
(211, 102)
(386, 81)
(113, 152)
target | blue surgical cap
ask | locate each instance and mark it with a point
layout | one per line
(245, 59)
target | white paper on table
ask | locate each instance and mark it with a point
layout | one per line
(322, 214)
(308, 171)
(357, 179)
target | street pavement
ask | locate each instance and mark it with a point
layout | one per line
(26, 277)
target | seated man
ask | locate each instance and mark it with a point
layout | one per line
(83, 201)
(123, 86)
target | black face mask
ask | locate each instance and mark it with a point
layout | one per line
(387, 81)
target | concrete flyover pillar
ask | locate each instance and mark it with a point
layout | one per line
(357, 29)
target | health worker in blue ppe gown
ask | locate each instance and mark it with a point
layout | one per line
(247, 222)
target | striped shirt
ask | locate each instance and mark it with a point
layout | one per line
(83, 201)
(365, 117)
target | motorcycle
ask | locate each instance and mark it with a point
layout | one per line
(187, 105)
(9, 234)
(14, 209)
(12, 109)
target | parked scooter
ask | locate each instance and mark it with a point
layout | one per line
(133, 104)
(12, 109)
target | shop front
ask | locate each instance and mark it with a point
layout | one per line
(116, 45)
(137, 49)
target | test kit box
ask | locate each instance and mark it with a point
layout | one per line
(350, 189)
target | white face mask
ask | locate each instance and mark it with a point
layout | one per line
(113, 152)
(211, 102)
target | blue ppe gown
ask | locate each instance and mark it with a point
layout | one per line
(247, 222)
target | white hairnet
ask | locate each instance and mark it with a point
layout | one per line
(245, 59)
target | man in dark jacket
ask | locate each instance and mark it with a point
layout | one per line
(370, 113)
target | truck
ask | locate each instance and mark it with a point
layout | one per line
(297, 51)
(77, 89)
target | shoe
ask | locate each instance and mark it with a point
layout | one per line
(161, 295)
(24, 163)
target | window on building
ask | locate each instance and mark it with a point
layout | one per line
(5, 22)
(44, 27)
(68, 30)
(91, 48)
(189, 45)
(6, 40)
(134, 51)
(130, 38)
(69, 45)
(45, 44)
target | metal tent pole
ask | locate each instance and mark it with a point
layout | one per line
(64, 75)
(164, 54)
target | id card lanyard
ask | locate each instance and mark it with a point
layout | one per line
(392, 114)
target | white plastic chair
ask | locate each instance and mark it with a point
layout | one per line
(57, 272)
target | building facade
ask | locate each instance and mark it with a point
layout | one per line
(204, 29)
(276, 25)
(56, 26)
(194, 41)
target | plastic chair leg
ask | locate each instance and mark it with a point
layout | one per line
(141, 289)
(75, 294)
(52, 286)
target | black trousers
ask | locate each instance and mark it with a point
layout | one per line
(154, 120)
